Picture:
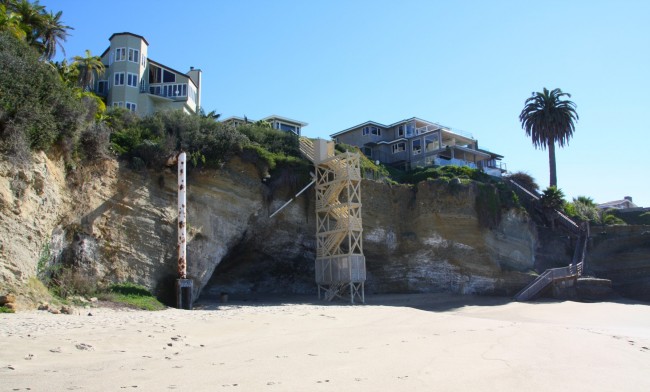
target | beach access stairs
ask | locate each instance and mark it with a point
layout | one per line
(573, 270)
(340, 265)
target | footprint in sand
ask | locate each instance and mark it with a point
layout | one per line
(320, 382)
(84, 346)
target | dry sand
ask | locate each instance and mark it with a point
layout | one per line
(394, 343)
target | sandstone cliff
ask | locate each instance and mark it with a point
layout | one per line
(115, 224)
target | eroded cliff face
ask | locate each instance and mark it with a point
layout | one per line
(622, 254)
(32, 203)
(115, 224)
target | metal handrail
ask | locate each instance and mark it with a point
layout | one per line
(574, 269)
(570, 224)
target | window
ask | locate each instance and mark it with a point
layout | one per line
(367, 151)
(371, 131)
(289, 128)
(120, 54)
(102, 87)
(431, 143)
(134, 55)
(417, 147)
(400, 131)
(131, 106)
(399, 147)
(155, 74)
(132, 79)
(168, 77)
(119, 79)
(118, 104)
(410, 129)
(143, 61)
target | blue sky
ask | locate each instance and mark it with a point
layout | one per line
(469, 65)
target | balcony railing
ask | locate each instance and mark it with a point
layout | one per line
(167, 90)
(431, 127)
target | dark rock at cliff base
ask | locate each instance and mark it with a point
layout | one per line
(594, 289)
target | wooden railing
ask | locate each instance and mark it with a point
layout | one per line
(565, 220)
(574, 269)
(307, 148)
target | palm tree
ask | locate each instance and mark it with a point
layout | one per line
(212, 114)
(51, 33)
(10, 22)
(31, 17)
(548, 119)
(89, 67)
(69, 73)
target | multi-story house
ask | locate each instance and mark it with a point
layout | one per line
(277, 122)
(414, 142)
(134, 81)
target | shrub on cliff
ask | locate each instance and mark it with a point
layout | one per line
(369, 169)
(446, 173)
(154, 138)
(272, 140)
(552, 198)
(524, 179)
(583, 208)
(36, 109)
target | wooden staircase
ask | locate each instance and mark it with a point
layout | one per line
(340, 264)
(573, 270)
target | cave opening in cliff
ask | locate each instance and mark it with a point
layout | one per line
(253, 268)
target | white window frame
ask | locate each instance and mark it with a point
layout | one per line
(131, 106)
(120, 76)
(132, 79)
(399, 147)
(133, 55)
(371, 130)
(419, 150)
(120, 54)
(118, 104)
(434, 140)
(143, 61)
(400, 130)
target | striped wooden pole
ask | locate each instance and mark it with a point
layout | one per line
(182, 217)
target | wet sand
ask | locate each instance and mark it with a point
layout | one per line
(393, 343)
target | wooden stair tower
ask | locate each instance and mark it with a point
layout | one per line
(340, 263)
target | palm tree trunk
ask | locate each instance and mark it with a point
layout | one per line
(551, 163)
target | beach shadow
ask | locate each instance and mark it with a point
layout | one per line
(434, 302)
(431, 302)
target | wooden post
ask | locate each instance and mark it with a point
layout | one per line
(182, 217)
(184, 287)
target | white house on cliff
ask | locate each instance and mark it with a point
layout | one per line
(136, 82)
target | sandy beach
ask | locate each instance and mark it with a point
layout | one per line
(393, 343)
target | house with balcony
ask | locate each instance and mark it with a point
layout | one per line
(413, 143)
(136, 82)
(276, 122)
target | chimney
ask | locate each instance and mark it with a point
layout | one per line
(628, 198)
